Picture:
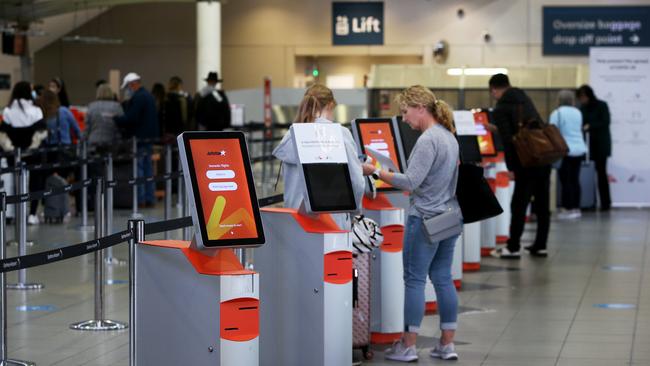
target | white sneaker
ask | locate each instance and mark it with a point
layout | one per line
(446, 352)
(505, 253)
(576, 214)
(399, 352)
(33, 220)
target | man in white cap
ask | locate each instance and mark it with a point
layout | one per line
(141, 119)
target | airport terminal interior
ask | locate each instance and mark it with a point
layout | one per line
(324, 183)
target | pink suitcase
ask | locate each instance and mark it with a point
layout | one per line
(361, 301)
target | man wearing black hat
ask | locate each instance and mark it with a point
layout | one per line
(212, 107)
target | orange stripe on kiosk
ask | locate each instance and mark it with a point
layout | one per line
(196, 303)
(306, 263)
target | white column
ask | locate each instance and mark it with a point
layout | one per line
(208, 39)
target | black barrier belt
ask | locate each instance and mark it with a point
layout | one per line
(55, 255)
(143, 180)
(168, 225)
(67, 164)
(179, 223)
(37, 195)
(39, 150)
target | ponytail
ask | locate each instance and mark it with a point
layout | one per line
(308, 109)
(443, 115)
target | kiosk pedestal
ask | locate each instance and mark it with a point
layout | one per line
(194, 307)
(306, 290)
(488, 227)
(386, 271)
(472, 247)
(503, 194)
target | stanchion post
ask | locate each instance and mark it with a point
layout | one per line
(17, 171)
(168, 184)
(180, 184)
(110, 259)
(98, 322)
(134, 149)
(137, 228)
(21, 223)
(4, 360)
(84, 190)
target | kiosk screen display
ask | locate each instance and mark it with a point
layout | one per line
(227, 211)
(378, 135)
(408, 136)
(485, 137)
(329, 187)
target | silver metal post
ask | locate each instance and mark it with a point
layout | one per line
(110, 259)
(134, 149)
(17, 163)
(179, 183)
(168, 185)
(137, 227)
(84, 190)
(184, 209)
(21, 223)
(99, 322)
(4, 361)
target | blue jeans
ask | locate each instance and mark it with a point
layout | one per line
(145, 169)
(422, 257)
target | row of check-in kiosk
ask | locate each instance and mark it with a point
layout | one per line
(196, 304)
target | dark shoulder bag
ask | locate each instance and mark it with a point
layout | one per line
(538, 143)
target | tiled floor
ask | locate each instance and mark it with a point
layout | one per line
(529, 312)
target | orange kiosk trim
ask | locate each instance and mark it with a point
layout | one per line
(221, 262)
(320, 223)
(240, 319)
(337, 267)
(380, 202)
(393, 238)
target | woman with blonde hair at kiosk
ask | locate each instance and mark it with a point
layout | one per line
(317, 106)
(431, 179)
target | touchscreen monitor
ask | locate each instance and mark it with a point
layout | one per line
(329, 187)
(485, 137)
(218, 175)
(407, 138)
(377, 136)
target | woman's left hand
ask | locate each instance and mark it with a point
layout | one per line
(368, 168)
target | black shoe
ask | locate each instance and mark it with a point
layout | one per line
(536, 252)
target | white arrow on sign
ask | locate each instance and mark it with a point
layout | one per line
(635, 39)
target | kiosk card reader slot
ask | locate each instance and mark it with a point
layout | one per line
(195, 303)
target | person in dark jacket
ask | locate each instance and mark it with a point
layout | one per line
(178, 109)
(514, 106)
(212, 106)
(141, 116)
(595, 120)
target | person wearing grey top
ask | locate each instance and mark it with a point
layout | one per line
(431, 179)
(317, 106)
(100, 127)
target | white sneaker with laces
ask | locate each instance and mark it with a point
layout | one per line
(33, 220)
(399, 352)
(446, 352)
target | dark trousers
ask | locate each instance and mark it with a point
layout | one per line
(529, 183)
(603, 183)
(569, 174)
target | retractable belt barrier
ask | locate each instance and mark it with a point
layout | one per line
(55, 255)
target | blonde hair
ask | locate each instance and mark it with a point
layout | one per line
(104, 92)
(417, 95)
(317, 97)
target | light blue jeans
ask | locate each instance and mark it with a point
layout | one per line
(422, 257)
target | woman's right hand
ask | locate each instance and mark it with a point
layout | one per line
(367, 168)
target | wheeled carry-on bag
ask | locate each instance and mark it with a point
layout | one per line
(587, 181)
(55, 206)
(361, 304)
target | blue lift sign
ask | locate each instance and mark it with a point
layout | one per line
(572, 30)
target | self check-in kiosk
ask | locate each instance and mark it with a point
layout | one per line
(306, 312)
(195, 302)
(377, 138)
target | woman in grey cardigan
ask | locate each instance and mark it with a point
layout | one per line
(431, 178)
(100, 127)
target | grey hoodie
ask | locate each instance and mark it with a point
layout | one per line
(294, 192)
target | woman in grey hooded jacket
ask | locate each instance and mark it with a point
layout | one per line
(316, 106)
